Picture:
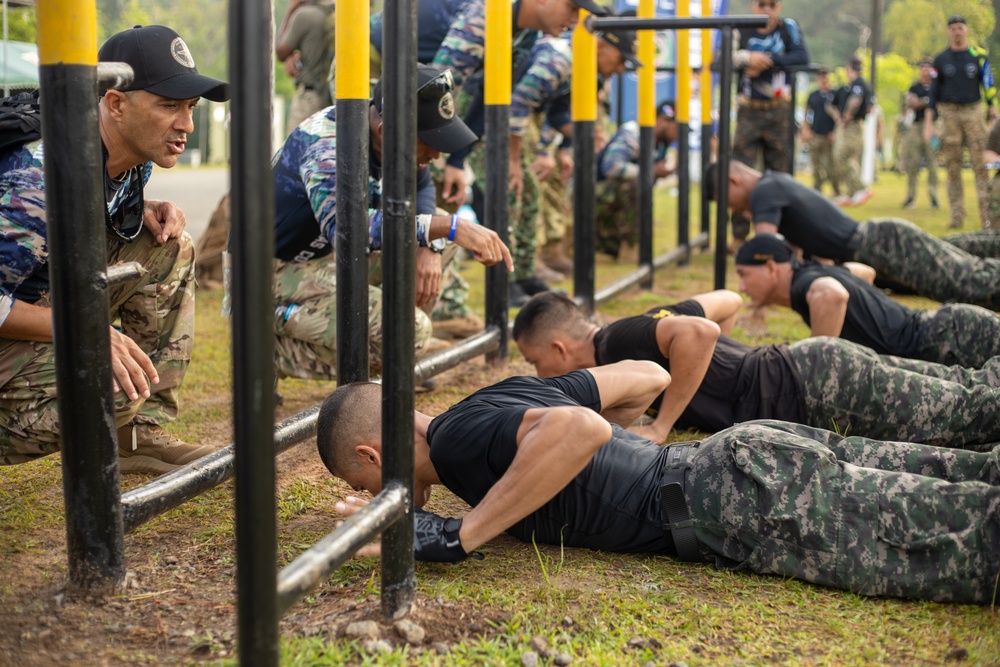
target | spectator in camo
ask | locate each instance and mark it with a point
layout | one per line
(617, 189)
(834, 302)
(305, 222)
(818, 132)
(898, 250)
(718, 382)
(916, 151)
(854, 101)
(147, 123)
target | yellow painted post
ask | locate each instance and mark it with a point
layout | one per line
(705, 88)
(647, 75)
(584, 109)
(499, 18)
(67, 32)
(647, 139)
(352, 55)
(683, 119)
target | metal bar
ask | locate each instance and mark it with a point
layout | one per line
(313, 565)
(473, 346)
(252, 324)
(665, 23)
(120, 273)
(399, 160)
(706, 159)
(793, 90)
(584, 107)
(647, 141)
(639, 275)
(353, 66)
(683, 102)
(876, 41)
(722, 185)
(81, 325)
(114, 75)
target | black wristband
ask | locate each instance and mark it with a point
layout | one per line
(435, 538)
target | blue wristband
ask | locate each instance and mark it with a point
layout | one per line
(454, 228)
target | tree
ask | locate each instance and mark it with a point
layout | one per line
(917, 28)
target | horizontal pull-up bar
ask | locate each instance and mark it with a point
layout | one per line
(315, 563)
(687, 23)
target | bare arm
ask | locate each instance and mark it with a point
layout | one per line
(859, 270)
(765, 228)
(628, 387)
(553, 446)
(689, 343)
(721, 306)
(827, 300)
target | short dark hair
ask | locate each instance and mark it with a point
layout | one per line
(822, 71)
(710, 181)
(546, 312)
(350, 413)
(854, 63)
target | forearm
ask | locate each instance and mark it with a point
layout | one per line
(27, 322)
(627, 388)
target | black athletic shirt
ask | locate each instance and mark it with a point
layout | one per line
(857, 88)
(819, 120)
(872, 319)
(741, 383)
(923, 92)
(957, 77)
(806, 218)
(612, 505)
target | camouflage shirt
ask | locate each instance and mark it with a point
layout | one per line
(786, 47)
(305, 192)
(620, 157)
(24, 272)
(546, 79)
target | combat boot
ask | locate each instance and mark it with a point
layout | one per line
(552, 255)
(148, 448)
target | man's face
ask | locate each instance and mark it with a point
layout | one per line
(366, 477)
(925, 73)
(957, 33)
(823, 80)
(739, 196)
(557, 16)
(665, 130)
(155, 127)
(757, 282)
(548, 360)
(609, 60)
(769, 8)
(425, 154)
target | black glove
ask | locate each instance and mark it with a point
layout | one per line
(435, 538)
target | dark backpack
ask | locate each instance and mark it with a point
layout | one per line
(20, 120)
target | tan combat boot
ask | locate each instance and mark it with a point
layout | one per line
(148, 448)
(552, 255)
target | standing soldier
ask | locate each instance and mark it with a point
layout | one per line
(915, 147)
(303, 46)
(818, 132)
(962, 70)
(853, 104)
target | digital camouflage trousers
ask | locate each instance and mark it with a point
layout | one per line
(875, 518)
(155, 310)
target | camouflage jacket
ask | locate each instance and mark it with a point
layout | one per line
(305, 192)
(546, 80)
(24, 272)
(620, 157)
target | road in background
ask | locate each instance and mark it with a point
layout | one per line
(196, 191)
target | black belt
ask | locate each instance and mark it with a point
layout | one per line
(674, 512)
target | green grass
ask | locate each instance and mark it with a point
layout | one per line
(490, 610)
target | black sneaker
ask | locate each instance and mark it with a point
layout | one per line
(908, 203)
(532, 286)
(934, 203)
(516, 296)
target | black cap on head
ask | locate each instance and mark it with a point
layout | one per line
(162, 63)
(855, 64)
(624, 41)
(438, 125)
(956, 18)
(764, 247)
(591, 7)
(666, 108)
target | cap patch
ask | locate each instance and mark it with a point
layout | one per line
(180, 52)
(446, 107)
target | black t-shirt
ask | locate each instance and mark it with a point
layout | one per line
(857, 88)
(923, 92)
(819, 120)
(872, 319)
(741, 383)
(612, 505)
(957, 77)
(806, 218)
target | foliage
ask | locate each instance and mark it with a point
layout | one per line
(915, 28)
(21, 25)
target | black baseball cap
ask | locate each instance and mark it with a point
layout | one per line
(667, 108)
(162, 64)
(438, 125)
(956, 18)
(624, 41)
(591, 7)
(762, 248)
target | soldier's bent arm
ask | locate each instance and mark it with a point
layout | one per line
(827, 300)
(26, 321)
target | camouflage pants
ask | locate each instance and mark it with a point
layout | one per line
(847, 156)
(849, 388)
(903, 253)
(963, 125)
(959, 334)
(304, 104)
(155, 310)
(762, 130)
(555, 209)
(522, 213)
(305, 321)
(821, 158)
(993, 203)
(875, 518)
(914, 150)
(616, 216)
(981, 244)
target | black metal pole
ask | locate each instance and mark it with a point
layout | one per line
(876, 41)
(250, 65)
(683, 188)
(647, 179)
(399, 159)
(721, 186)
(497, 219)
(706, 159)
(77, 243)
(584, 213)
(352, 240)
(793, 90)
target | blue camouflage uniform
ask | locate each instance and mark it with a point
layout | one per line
(305, 187)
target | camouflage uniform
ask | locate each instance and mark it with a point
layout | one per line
(847, 155)
(155, 310)
(962, 125)
(903, 253)
(876, 518)
(762, 126)
(913, 150)
(821, 158)
(617, 190)
(851, 389)
(980, 244)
